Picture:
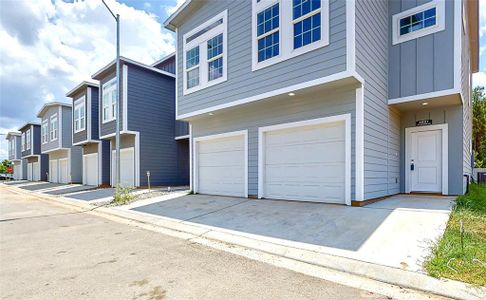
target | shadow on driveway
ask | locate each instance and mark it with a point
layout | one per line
(93, 195)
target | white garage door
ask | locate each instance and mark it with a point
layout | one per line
(53, 171)
(90, 172)
(305, 163)
(127, 166)
(36, 171)
(64, 170)
(221, 164)
(29, 172)
(16, 170)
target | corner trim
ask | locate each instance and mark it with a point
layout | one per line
(125, 98)
(359, 148)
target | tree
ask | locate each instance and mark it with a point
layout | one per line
(479, 126)
(6, 164)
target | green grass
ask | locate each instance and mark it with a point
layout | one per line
(471, 209)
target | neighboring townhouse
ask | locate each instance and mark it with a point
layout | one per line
(56, 141)
(15, 154)
(327, 101)
(36, 164)
(85, 134)
(152, 142)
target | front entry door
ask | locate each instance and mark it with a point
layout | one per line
(426, 161)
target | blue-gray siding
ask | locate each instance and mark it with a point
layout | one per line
(241, 81)
(167, 65)
(66, 129)
(36, 147)
(95, 118)
(110, 127)
(51, 144)
(81, 135)
(381, 124)
(151, 111)
(425, 64)
(264, 113)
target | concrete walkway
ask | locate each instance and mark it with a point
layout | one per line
(396, 232)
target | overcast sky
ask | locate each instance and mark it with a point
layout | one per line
(48, 47)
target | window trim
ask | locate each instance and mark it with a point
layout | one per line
(110, 105)
(78, 103)
(45, 134)
(201, 41)
(439, 25)
(28, 136)
(286, 22)
(22, 142)
(51, 129)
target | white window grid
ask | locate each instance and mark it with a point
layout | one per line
(53, 128)
(80, 114)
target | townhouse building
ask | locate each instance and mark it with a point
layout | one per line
(327, 101)
(95, 152)
(56, 142)
(36, 164)
(15, 154)
(153, 145)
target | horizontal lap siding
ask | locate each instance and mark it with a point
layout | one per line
(467, 114)
(242, 82)
(110, 127)
(66, 130)
(270, 112)
(53, 110)
(81, 135)
(425, 64)
(95, 118)
(151, 111)
(381, 124)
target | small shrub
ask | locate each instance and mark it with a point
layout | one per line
(123, 195)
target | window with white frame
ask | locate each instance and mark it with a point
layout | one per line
(80, 114)
(53, 127)
(418, 21)
(283, 29)
(44, 131)
(27, 140)
(205, 54)
(108, 101)
(11, 148)
(22, 141)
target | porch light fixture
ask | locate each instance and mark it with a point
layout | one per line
(425, 103)
(211, 114)
(291, 94)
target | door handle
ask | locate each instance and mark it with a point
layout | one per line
(412, 167)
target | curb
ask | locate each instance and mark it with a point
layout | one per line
(205, 234)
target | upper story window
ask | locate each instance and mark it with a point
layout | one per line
(22, 141)
(283, 29)
(418, 21)
(44, 131)
(205, 54)
(11, 147)
(53, 127)
(27, 140)
(79, 114)
(109, 101)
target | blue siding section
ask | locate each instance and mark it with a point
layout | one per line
(151, 111)
(167, 65)
(94, 113)
(425, 64)
(242, 81)
(37, 139)
(105, 162)
(181, 128)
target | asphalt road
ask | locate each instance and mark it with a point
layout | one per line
(49, 252)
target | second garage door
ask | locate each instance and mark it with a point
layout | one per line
(64, 170)
(53, 171)
(127, 166)
(221, 165)
(305, 163)
(90, 171)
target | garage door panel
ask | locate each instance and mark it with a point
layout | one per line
(305, 163)
(63, 170)
(127, 167)
(91, 169)
(221, 166)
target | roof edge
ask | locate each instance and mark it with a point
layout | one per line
(49, 104)
(81, 85)
(130, 61)
(167, 23)
(168, 56)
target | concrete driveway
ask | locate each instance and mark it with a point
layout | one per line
(396, 232)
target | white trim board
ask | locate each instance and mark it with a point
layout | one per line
(445, 154)
(346, 118)
(125, 98)
(359, 148)
(182, 137)
(243, 133)
(425, 96)
(323, 80)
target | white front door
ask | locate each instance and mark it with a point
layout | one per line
(53, 171)
(29, 172)
(425, 161)
(36, 171)
(64, 170)
(16, 171)
(305, 163)
(90, 166)
(127, 167)
(220, 165)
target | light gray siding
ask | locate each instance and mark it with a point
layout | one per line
(467, 109)
(66, 129)
(271, 112)
(452, 116)
(421, 65)
(51, 144)
(241, 81)
(381, 124)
